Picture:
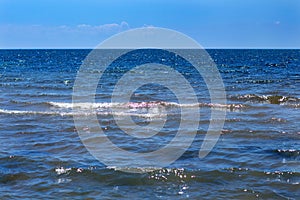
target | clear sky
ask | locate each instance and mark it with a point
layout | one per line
(213, 23)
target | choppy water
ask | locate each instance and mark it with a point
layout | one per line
(257, 156)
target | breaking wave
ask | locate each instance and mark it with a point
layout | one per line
(137, 105)
(271, 99)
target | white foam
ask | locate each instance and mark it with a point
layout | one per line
(62, 170)
(134, 169)
(29, 112)
(85, 105)
(136, 105)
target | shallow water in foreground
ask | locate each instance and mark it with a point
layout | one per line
(256, 157)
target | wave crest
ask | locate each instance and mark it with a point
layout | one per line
(272, 99)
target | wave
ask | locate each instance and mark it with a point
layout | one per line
(289, 101)
(151, 109)
(85, 105)
(30, 112)
(136, 109)
(36, 95)
(272, 99)
(151, 104)
(288, 152)
(171, 174)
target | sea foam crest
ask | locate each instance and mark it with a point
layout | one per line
(137, 105)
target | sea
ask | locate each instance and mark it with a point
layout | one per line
(257, 155)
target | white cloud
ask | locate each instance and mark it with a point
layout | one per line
(87, 28)
(148, 26)
(81, 35)
(114, 27)
(83, 26)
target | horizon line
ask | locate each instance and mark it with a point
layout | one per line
(90, 48)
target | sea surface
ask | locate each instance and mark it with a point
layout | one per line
(257, 155)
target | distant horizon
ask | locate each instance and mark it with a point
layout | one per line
(216, 48)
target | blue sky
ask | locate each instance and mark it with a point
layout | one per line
(213, 23)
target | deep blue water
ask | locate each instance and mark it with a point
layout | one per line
(256, 157)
